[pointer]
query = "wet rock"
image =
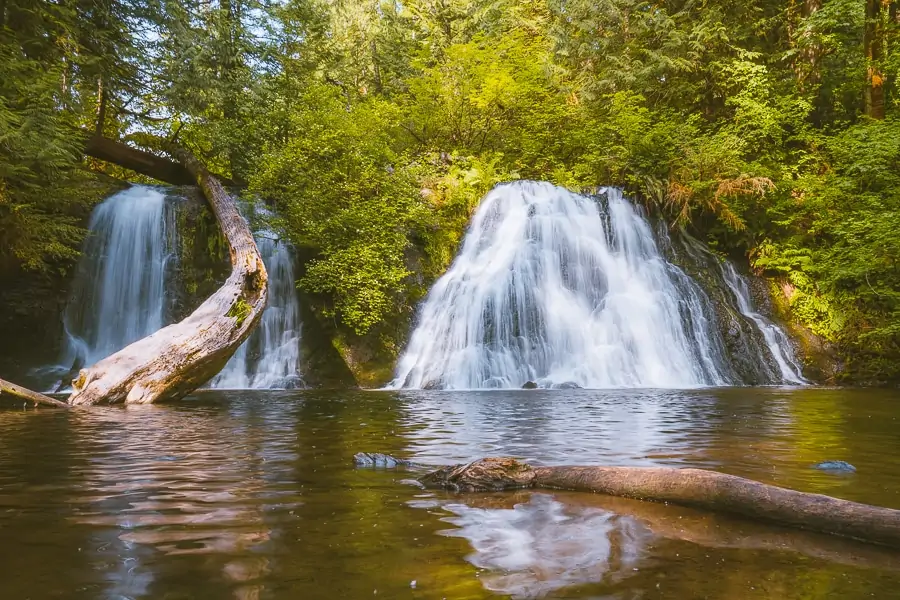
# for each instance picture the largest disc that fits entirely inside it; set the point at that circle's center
(567, 385)
(529, 385)
(379, 461)
(837, 466)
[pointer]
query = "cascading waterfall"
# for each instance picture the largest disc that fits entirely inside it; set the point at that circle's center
(776, 339)
(563, 290)
(126, 286)
(119, 293)
(270, 358)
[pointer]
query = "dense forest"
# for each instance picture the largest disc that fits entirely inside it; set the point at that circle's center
(767, 127)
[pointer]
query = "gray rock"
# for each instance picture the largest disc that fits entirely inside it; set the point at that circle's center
(379, 461)
(838, 466)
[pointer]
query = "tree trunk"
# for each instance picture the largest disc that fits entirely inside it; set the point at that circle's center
(139, 161)
(20, 392)
(177, 359)
(873, 40)
(102, 98)
(808, 63)
(686, 487)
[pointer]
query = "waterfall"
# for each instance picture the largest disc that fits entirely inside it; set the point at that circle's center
(270, 358)
(119, 292)
(563, 290)
(776, 339)
(126, 286)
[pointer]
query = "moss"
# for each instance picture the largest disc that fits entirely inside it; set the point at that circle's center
(240, 310)
(817, 353)
(203, 262)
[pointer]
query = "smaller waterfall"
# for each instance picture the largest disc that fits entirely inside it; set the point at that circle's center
(776, 339)
(270, 358)
(119, 293)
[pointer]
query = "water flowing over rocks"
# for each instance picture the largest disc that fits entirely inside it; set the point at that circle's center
(555, 287)
(271, 357)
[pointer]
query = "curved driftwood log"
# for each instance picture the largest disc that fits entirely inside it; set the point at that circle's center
(177, 359)
(688, 487)
(26, 394)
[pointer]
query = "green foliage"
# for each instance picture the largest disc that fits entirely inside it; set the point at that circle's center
(841, 248)
(239, 311)
(37, 160)
(374, 127)
(741, 121)
(342, 191)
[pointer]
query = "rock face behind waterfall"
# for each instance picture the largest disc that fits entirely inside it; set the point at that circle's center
(759, 349)
(566, 290)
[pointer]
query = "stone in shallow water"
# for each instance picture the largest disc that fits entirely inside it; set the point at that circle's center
(566, 385)
(377, 460)
(835, 465)
(529, 385)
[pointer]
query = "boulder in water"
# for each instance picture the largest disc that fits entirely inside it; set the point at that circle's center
(837, 466)
(529, 385)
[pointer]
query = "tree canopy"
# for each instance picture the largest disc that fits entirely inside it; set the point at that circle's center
(769, 127)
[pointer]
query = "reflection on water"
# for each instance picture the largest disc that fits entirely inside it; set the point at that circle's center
(254, 496)
(541, 545)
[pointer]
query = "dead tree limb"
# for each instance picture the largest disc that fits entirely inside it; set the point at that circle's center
(20, 392)
(178, 359)
(698, 488)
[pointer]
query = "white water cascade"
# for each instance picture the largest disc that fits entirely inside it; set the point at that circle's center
(563, 290)
(270, 358)
(126, 285)
(776, 339)
(119, 293)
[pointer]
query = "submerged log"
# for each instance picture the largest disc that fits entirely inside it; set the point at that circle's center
(26, 394)
(177, 359)
(687, 487)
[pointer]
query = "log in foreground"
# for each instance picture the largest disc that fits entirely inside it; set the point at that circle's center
(26, 394)
(688, 487)
(178, 359)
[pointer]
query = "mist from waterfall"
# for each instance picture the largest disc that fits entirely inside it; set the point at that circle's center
(119, 292)
(270, 358)
(563, 290)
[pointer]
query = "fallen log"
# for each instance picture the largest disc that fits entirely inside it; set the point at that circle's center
(138, 161)
(179, 358)
(15, 390)
(697, 488)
